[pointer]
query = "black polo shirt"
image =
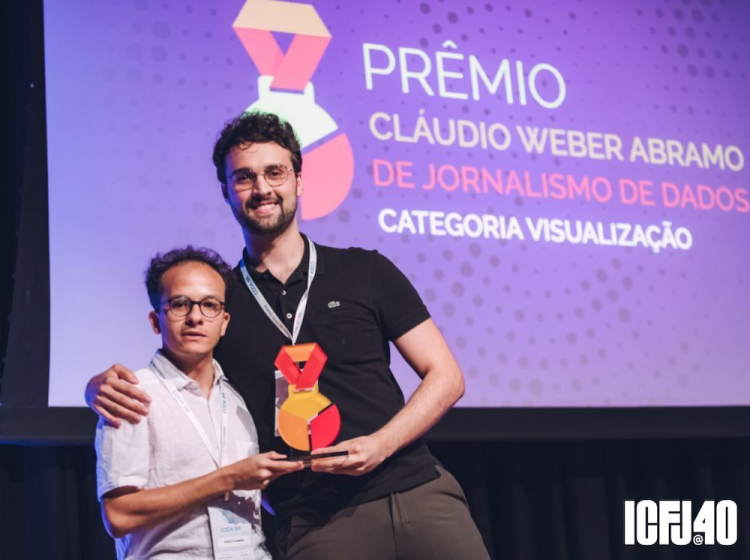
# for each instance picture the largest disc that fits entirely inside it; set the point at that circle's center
(359, 302)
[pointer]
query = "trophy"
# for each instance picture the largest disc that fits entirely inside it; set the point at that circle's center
(307, 419)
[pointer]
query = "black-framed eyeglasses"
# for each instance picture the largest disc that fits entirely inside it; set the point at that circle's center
(182, 306)
(246, 179)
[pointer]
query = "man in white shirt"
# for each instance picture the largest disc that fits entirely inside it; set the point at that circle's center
(185, 481)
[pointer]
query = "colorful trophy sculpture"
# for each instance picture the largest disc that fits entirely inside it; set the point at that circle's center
(307, 419)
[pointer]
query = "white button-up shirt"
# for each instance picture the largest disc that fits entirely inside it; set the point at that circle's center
(165, 449)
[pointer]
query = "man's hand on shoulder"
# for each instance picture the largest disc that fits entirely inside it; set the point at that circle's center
(366, 453)
(112, 396)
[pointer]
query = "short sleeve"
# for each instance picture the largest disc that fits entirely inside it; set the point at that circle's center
(396, 301)
(123, 456)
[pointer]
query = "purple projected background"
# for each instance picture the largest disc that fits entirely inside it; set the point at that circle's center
(137, 92)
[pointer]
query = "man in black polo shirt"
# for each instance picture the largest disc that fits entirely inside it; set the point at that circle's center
(387, 498)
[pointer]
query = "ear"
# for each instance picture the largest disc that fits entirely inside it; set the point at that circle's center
(225, 323)
(153, 318)
(224, 192)
(300, 187)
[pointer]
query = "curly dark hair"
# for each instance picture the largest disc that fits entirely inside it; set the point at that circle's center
(253, 127)
(164, 261)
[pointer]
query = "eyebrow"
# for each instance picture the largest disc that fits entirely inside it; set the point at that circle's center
(241, 170)
(247, 169)
(186, 297)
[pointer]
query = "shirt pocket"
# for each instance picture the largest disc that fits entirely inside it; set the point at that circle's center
(245, 448)
(243, 435)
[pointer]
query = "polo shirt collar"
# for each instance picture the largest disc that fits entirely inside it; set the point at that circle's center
(299, 273)
(179, 379)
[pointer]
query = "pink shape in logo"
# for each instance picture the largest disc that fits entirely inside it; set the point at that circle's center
(328, 175)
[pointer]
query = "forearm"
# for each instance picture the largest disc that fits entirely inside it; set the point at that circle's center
(144, 508)
(442, 385)
(426, 351)
(436, 394)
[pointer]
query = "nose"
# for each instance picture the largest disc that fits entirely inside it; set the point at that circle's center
(262, 186)
(195, 316)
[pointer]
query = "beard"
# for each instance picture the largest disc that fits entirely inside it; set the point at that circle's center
(270, 226)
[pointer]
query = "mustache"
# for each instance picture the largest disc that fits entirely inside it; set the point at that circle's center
(256, 201)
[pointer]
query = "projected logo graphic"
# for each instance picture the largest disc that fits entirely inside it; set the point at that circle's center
(672, 522)
(307, 419)
(285, 88)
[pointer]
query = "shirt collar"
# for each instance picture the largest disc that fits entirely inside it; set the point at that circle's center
(299, 273)
(179, 379)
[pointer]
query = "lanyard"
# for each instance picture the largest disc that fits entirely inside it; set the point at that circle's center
(193, 419)
(264, 305)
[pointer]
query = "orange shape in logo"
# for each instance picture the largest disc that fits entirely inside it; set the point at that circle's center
(307, 419)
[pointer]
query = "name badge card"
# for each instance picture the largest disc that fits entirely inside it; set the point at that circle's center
(233, 536)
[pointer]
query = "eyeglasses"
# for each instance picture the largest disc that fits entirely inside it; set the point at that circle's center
(182, 306)
(275, 176)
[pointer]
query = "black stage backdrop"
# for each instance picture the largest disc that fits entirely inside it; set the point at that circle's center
(532, 500)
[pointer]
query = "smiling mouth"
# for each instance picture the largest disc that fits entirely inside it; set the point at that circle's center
(263, 204)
